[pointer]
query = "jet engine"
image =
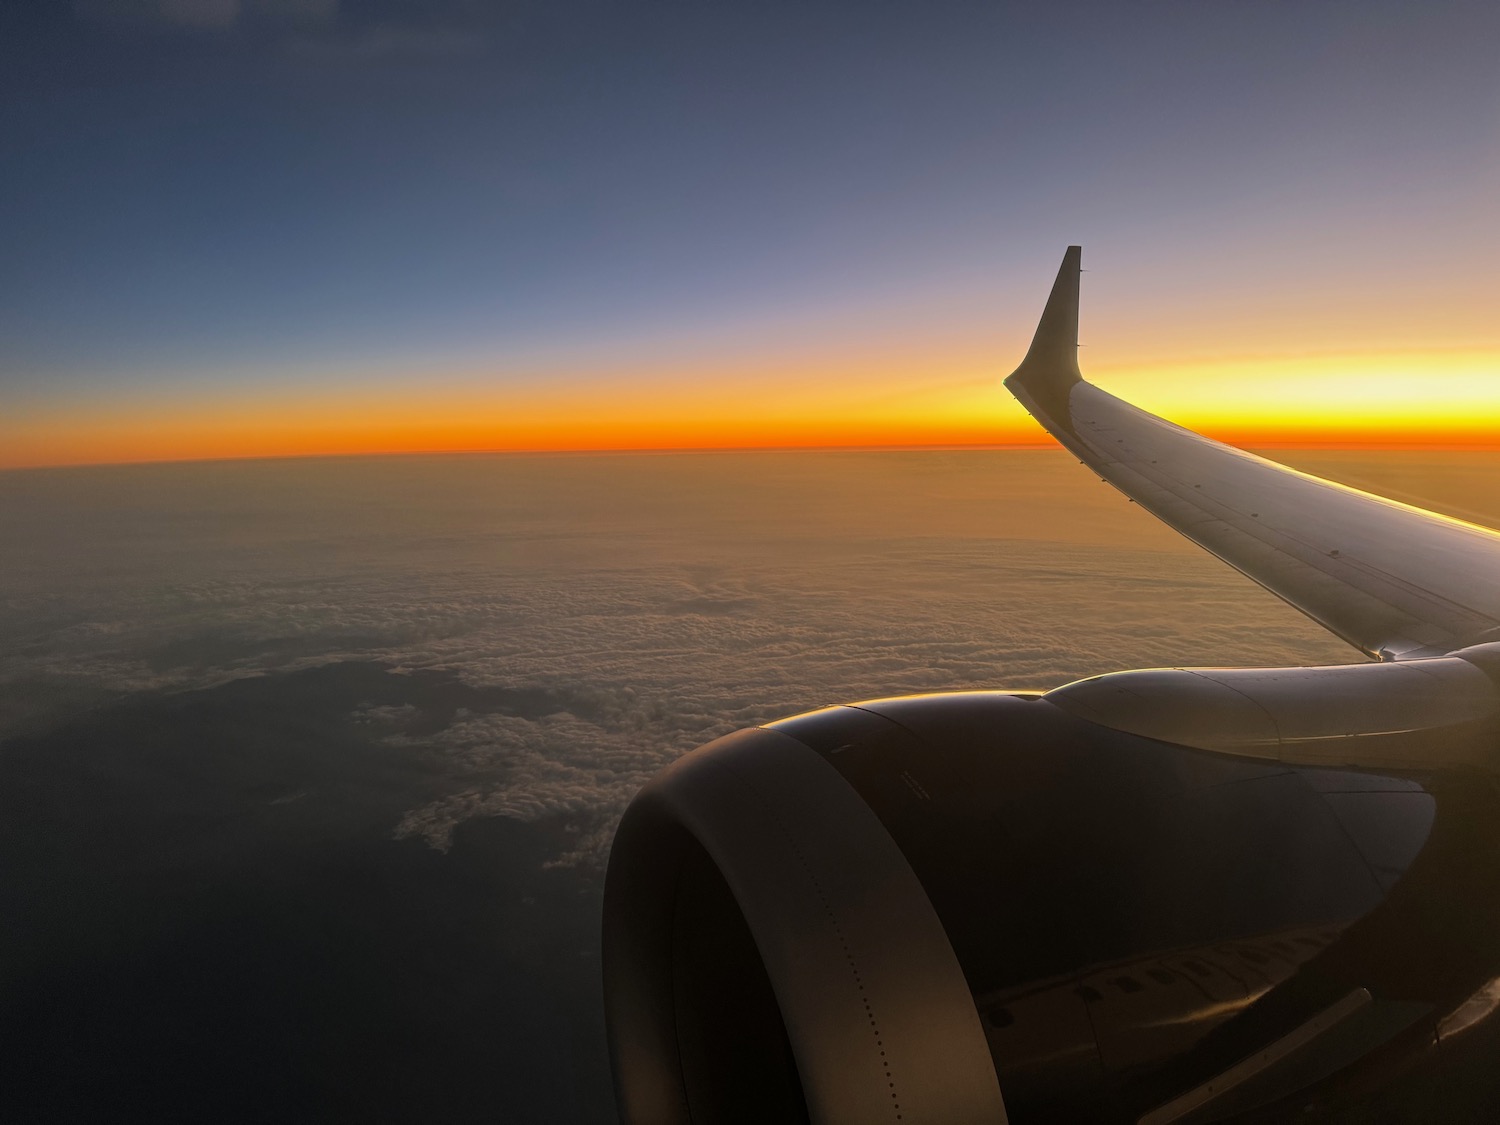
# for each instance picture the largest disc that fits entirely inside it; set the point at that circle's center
(983, 907)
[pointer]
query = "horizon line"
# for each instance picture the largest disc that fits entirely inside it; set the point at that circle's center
(1044, 443)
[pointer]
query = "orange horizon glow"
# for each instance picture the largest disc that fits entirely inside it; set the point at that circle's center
(1444, 399)
(209, 450)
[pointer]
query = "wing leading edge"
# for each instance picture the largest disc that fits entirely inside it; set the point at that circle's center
(1394, 581)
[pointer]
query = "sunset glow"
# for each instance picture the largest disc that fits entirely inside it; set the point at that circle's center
(1439, 398)
(275, 234)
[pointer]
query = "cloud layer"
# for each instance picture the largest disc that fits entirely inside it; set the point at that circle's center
(637, 607)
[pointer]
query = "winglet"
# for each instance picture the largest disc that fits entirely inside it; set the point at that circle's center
(1051, 366)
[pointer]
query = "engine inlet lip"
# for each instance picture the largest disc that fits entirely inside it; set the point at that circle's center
(876, 1008)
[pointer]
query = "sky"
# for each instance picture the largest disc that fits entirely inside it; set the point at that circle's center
(244, 228)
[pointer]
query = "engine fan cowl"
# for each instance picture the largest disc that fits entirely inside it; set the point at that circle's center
(770, 954)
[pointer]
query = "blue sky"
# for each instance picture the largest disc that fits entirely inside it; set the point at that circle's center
(242, 194)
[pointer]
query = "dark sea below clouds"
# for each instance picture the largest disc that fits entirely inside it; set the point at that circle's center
(308, 769)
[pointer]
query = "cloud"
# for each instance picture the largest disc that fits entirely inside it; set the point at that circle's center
(200, 14)
(194, 14)
(312, 29)
(621, 636)
(637, 663)
(530, 769)
(390, 42)
(297, 12)
(385, 714)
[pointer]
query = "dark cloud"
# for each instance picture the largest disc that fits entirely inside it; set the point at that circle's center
(205, 916)
(391, 42)
(313, 30)
(296, 12)
(196, 14)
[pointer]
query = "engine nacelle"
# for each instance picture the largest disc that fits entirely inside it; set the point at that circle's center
(950, 908)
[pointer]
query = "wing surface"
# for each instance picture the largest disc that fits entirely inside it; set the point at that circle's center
(1393, 580)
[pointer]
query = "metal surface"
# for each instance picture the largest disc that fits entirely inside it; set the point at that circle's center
(1223, 1085)
(875, 1008)
(1121, 908)
(1413, 714)
(1392, 580)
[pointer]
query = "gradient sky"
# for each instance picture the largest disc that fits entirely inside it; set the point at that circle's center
(263, 227)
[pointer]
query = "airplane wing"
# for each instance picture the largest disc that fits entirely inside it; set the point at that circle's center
(1394, 581)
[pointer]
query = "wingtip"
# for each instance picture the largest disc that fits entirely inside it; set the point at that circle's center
(1051, 364)
(1055, 344)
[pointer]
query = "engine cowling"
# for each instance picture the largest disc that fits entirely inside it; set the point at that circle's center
(957, 908)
